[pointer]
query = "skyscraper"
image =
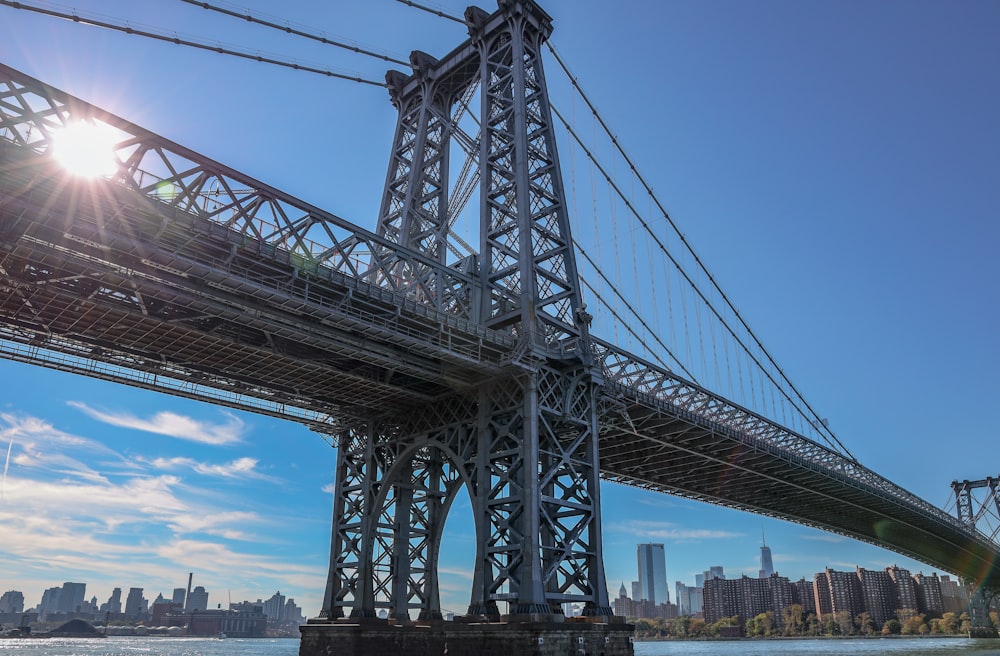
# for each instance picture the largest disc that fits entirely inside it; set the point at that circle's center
(766, 566)
(197, 600)
(115, 602)
(134, 603)
(71, 598)
(652, 573)
(12, 601)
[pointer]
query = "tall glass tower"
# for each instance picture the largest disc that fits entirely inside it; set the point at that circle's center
(766, 566)
(652, 573)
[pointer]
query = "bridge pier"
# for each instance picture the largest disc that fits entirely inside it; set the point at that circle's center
(979, 613)
(373, 637)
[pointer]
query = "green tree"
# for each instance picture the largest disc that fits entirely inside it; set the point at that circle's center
(892, 627)
(677, 627)
(723, 622)
(845, 621)
(760, 626)
(915, 625)
(643, 628)
(698, 629)
(793, 620)
(865, 624)
(949, 623)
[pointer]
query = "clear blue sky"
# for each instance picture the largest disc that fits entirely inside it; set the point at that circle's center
(836, 164)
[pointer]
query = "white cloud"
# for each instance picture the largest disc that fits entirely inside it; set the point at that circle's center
(669, 531)
(171, 424)
(240, 468)
(36, 444)
(825, 537)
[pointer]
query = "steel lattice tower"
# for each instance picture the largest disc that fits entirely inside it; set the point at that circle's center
(524, 447)
(967, 511)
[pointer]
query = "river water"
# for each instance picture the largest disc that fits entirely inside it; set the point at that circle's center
(129, 646)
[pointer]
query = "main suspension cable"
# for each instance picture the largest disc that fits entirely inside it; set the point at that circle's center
(431, 10)
(76, 17)
(701, 265)
(296, 31)
(628, 204)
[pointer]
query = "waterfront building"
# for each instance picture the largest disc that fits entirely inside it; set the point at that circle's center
(652, 563)
(274, 608)
(879, 592)
(837, 592)
(954, 596)
(803, 595)
(747, 597)
(293, 613)
(197, 600)
(906, 588)
(248, 622)
(179, 596)
(929, 599)
(641, 608)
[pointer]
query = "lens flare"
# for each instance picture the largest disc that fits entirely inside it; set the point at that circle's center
(86, 149)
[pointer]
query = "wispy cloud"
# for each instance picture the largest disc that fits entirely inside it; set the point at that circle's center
(824, 537)
(171, 424)
(657, 502)
(44, 448)
(239, 468)
(669, 531)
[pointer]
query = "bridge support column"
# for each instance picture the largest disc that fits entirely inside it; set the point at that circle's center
(979, 613)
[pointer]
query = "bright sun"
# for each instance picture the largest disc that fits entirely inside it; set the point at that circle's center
(85, 149)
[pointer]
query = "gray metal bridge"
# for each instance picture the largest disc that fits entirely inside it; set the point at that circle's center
(182, 275)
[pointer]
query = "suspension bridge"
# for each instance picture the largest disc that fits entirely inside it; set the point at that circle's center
(489, 364)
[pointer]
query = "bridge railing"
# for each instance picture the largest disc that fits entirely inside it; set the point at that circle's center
(32, 115)
(659, 387)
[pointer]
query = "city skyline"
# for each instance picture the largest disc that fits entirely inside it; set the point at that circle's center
(138, 598)
(836, 174)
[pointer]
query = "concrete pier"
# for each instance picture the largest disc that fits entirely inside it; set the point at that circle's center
(372, 637)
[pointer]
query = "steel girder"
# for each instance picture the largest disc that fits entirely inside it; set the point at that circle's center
(167, 286)
(663, 433)
(31, 112)
(533, 437)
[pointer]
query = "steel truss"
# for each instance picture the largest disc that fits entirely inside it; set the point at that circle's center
(526, 448)
(983, 516)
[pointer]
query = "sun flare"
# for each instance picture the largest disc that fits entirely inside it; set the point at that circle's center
(86, 149)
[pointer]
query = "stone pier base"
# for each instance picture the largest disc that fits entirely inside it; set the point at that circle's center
(370, 637)
(982, 632)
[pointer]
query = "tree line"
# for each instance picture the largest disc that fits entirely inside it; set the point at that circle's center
(797, 623)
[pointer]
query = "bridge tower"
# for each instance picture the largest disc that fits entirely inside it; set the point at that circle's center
(971, 511)
(523, 444)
